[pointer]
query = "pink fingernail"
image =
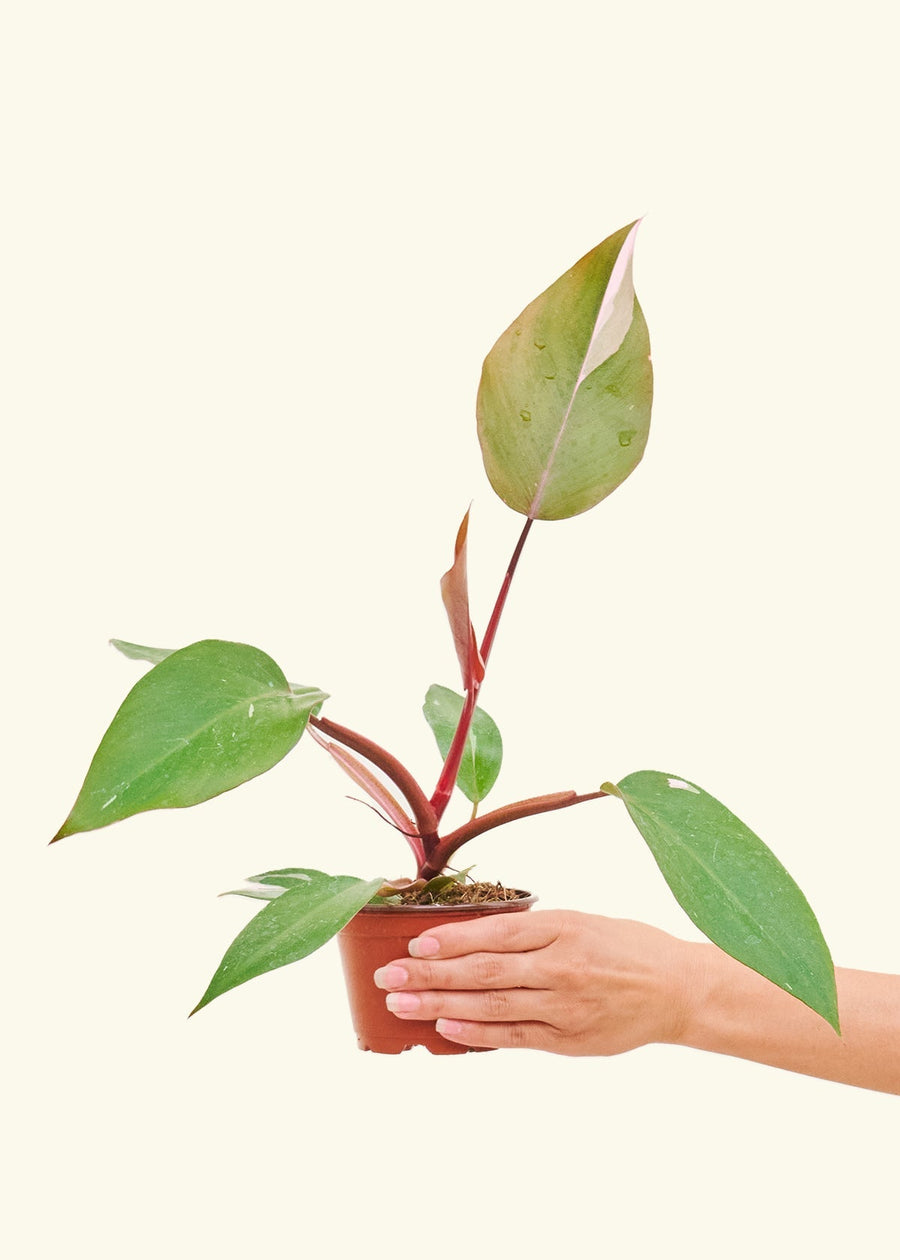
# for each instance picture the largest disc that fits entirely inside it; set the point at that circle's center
(402, 1003)
(424, 947)
(391, 977)
(448, 1027)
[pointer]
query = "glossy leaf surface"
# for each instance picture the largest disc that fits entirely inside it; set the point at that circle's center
(483, 752)
(564, 401)
(298, 922)
(204, 720)
(732, 886)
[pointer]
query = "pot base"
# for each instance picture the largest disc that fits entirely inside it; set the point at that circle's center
(379, 935)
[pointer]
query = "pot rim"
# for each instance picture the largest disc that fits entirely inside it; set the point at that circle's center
(522, 902)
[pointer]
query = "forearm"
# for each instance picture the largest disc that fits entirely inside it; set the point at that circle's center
(735, 1012)
(583, 984)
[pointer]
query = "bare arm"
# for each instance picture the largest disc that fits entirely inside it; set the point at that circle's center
(739, 1013)
(581, 984)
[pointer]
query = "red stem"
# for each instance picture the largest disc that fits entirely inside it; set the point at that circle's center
(426, 819)
(447, 780)
(489, 634)
(446, 847)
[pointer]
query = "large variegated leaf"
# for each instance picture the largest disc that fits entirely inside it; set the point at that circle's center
(565, 394)
(293, 925)
(205, 719)
(483, 752)
(732, 885)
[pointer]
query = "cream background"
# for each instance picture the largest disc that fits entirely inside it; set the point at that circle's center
(254, 255)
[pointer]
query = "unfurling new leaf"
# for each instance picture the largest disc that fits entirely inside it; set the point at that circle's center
(455, 594)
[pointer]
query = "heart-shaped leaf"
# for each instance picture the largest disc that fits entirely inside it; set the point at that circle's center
(732, 886)
(483, 752)
(204, 720)
(301, 919)
(565, 394)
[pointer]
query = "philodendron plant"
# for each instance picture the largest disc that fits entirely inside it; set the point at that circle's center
(563, 417)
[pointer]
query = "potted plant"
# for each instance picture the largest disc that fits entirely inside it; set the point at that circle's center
(563, 417)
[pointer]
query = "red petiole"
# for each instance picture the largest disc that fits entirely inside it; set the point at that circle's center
(432, 851)
(447, 781)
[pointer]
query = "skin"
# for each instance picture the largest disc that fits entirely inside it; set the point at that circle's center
(580, 984)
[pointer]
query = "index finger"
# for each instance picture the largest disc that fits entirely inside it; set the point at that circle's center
(511, 933)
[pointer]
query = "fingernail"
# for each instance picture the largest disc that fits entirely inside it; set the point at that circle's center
(402, 1003)
(424, 947)
(391, 977)
(447, 1027)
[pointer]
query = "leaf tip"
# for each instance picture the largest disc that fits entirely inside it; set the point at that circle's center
(62, 833)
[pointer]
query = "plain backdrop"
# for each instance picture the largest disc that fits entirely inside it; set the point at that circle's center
(253, 257)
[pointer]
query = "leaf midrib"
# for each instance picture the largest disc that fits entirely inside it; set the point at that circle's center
(733, 898)
(336, 899)
(185, 741)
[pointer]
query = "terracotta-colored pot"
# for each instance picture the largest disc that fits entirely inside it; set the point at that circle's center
(378, 935)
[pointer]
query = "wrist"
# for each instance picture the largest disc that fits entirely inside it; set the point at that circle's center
(698, 980)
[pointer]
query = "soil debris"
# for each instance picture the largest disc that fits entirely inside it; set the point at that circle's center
(456, 894)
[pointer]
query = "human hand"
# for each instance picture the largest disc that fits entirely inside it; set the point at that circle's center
(561, 981)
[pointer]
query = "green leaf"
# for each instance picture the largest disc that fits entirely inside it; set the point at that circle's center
(564, 401)
(483, 752)
(732, 886)
(138, 652)
(294, 925)
(271, 884)
(204, 720)
(440, 883)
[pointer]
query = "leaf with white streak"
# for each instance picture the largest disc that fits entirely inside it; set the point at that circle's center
(139, 652)
(271, 884)
(292, 926)
(565, 394)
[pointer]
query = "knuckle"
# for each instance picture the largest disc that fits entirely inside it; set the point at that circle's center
(421, 976)
(519, 1036)
(486, 970)
(496, 1002)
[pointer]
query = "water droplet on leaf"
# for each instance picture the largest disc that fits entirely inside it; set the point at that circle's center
(525, 415)
(625, 436)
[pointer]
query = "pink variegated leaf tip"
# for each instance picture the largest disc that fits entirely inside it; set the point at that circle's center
(455, 593)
